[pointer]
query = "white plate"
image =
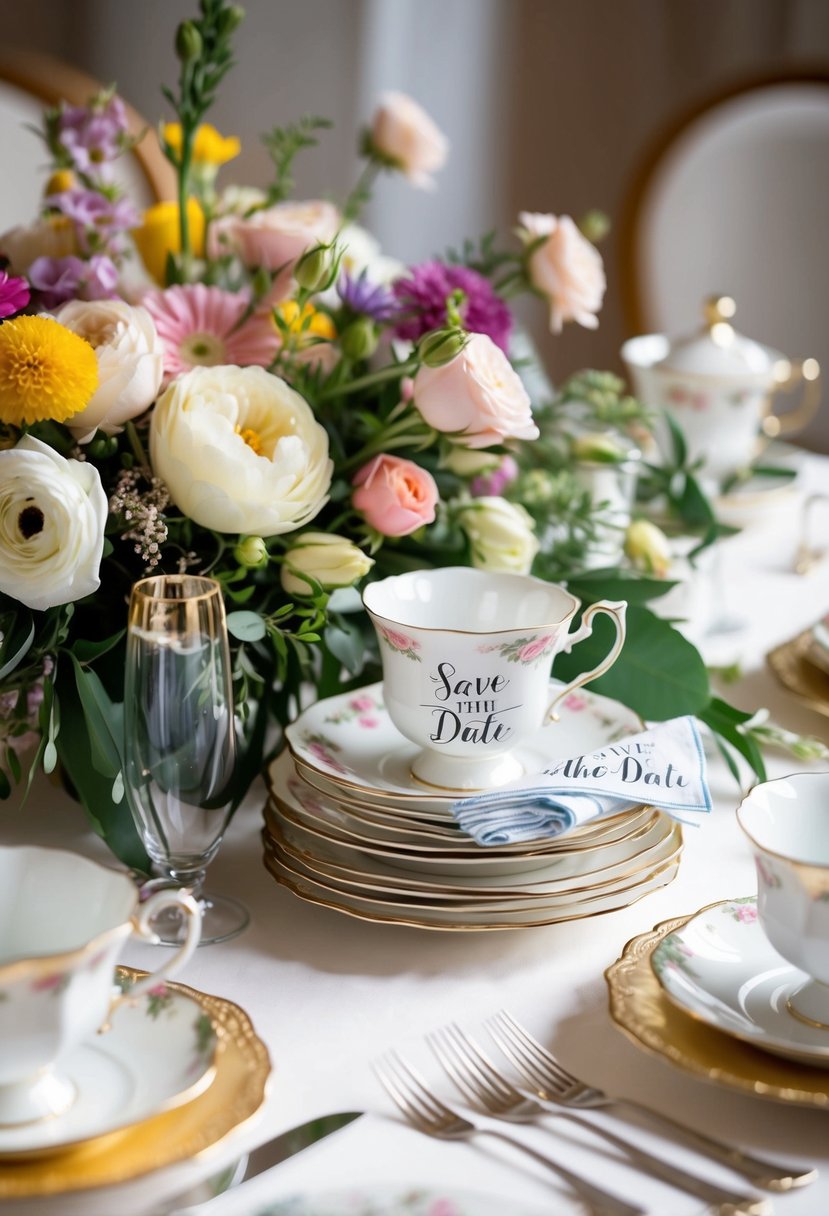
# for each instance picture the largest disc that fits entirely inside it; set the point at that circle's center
(397, 1201)
(721, 968)
(350, 741)
(751, 499)
(159, 1052)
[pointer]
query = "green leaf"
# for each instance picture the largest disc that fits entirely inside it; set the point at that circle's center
(86, 651)
(724, 720)
(678, 444)
(246, 626)
(345, 641)
(16, 642)
(104, 721)
(659, 674)
(613, 584)
(693, 506)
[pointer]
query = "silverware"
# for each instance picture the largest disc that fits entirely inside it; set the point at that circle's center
(425, 1112)
(484, 1086)
(550, 1080)
(196, 1199)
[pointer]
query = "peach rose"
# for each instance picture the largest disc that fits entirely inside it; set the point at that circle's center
(275, 237)
(565, 268)
(395, 496)
(477, 396)
(403, 133)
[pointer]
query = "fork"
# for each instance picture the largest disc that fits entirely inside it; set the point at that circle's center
(549, 1080)
(427, 1113)
(484, 1087)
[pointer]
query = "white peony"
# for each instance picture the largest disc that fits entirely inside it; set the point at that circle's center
(130, 362)
(52, 517)
(500, 534)
(240, 451)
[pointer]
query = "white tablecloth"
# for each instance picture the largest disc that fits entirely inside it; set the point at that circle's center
(328, 993)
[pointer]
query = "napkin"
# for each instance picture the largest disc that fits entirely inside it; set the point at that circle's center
(663, 766)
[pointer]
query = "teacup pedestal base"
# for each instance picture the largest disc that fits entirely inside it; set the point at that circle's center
(810, 1004)
(43, 1097)
(457, 774)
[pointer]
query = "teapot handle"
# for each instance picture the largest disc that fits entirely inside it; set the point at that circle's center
(807, 373)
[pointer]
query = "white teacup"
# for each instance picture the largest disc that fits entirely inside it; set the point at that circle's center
(63, 920)
(787, 822)
(466, 665)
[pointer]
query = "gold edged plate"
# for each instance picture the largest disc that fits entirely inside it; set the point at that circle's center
(794, 669)
(643, 1011)
(235, 1095)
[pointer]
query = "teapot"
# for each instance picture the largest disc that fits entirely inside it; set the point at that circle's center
(719, 386)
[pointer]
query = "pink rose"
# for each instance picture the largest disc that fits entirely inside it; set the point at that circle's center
(395, 496)
(400, 641)
(402, 132)
(477, 396)
(275, 237)
(532, 650)
(565, 268)
(361, 703)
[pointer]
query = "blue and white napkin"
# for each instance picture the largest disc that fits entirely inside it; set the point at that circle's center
(662, 767)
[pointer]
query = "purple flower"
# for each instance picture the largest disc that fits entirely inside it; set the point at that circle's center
(98, 220)
(494, 483)
(365, 298)
(14, 294)
(422, 297)
(61, 279)
(93, 135)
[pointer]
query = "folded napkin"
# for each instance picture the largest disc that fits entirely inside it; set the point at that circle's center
(663, 766)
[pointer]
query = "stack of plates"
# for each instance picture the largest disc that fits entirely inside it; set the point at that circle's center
(802, 665)
(347, 826)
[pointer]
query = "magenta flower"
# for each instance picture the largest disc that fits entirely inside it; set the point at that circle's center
(493, 483)
(422, 299)
(14, 294)
(60, 279)
(93, 135)
(203, 326)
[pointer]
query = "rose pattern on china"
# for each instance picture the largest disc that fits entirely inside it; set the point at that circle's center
(401, 643)
(525, 650)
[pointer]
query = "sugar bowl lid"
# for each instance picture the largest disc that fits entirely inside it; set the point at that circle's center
(717, 349)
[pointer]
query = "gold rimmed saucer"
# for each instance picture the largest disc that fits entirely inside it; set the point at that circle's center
(236, 1094)
(793, 667)
(641, 1009)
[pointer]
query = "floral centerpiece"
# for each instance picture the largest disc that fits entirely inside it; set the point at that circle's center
(239, 384)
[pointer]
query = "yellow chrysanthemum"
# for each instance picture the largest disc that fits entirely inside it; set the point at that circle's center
(159, 235)
(311, 323)
(209, 147)
(46, 371)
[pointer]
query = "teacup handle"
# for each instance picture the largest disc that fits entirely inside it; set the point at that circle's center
(150, 908)
(613, 608)
(807, 373)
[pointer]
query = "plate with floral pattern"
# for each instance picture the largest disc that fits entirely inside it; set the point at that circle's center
(721, 968)
(158, 1053)
(350, 741)
(399, 1201)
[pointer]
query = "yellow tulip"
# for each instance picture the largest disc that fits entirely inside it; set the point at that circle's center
(159, 235)
(209, 147)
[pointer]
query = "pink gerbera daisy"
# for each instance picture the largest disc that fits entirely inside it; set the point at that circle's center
(202, 326)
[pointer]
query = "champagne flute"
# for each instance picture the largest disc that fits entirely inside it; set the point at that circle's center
(180, 739)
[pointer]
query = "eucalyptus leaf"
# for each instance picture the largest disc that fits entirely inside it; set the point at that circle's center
(85, 650)
(104, 721)
(246, 626)
(345, 641)
(345, 599)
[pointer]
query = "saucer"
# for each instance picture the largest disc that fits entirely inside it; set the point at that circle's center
(157, 1054)
(351, 740)
(413, 1200)
(792, 663)
(721, 968)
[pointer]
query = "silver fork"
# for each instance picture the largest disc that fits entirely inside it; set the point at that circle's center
(427, 1113)
(484, 1087)
(548, 1079)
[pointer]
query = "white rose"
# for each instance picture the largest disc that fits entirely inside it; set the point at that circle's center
(403, 132)
(240, 451)
(500, 534)
(334, 561)
(130, 362)
(52, 517)
(565, 268)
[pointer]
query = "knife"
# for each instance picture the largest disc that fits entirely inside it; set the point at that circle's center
(196, 1199)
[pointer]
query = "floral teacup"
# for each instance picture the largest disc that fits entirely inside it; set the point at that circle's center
(63, 919)
(466, 665)
(787, 822)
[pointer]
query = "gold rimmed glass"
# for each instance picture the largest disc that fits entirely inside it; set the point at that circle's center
(180, 739)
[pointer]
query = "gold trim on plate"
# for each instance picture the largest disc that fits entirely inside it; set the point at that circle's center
(791, 664)
(643, 1011)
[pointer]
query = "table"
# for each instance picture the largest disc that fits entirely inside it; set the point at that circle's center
(328, 993)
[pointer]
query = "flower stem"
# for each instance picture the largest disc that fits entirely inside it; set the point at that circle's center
(388, 373)
(361, 194)
(137, 446)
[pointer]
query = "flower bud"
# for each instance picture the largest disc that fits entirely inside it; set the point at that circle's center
(102, 446)
(188, 41)
(598, 449)
(441, 346)
(229, 19)
(647, 547)
(313, 271)
(60, 181)
(333, 561)
(251, 552)
(501, 535)
(594, 225)
(359, 339)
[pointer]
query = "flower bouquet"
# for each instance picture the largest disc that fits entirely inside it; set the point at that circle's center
(240, 385)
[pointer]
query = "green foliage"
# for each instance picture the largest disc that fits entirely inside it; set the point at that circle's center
(283, 144)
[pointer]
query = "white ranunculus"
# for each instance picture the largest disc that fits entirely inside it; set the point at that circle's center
(500, 534)
(240, 451)
(52, 517)
(130, 362)
(334, 561)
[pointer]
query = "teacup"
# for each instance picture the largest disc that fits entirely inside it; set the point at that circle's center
(63, 920)
(787, 822)
(466, 665)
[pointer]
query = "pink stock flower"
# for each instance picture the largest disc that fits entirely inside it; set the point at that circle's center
(203, 326)
(14, 294)
(395, 496)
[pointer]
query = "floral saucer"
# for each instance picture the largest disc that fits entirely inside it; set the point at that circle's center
(351, 740)
(159, 1053)
(721, 968)
(384, 1200)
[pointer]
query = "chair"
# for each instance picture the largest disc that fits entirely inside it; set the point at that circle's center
(30, 82)
(732, 200)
